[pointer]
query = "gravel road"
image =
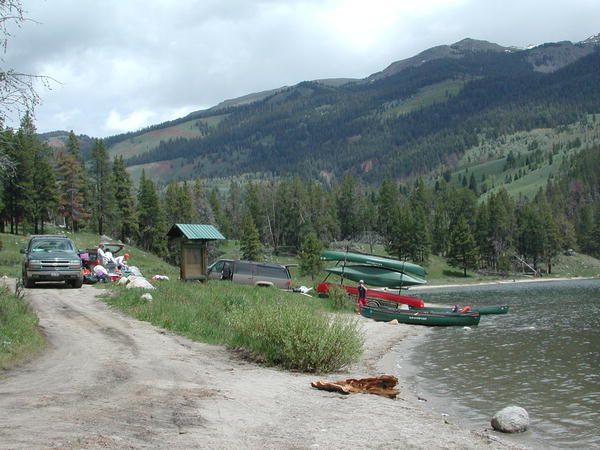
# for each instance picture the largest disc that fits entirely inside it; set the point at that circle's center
(108, 381)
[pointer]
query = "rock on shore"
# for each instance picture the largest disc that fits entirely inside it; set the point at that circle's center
(512, 419)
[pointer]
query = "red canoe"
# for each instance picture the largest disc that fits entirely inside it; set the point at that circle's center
(376, 295)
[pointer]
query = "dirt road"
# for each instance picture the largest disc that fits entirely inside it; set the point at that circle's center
(109, 381)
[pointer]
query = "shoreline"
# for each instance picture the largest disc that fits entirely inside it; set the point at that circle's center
(499, 282)
(388, 350)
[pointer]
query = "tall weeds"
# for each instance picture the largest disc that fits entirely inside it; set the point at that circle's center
(274, 327)
(19, 332)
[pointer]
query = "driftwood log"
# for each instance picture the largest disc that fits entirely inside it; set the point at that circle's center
(384, 385)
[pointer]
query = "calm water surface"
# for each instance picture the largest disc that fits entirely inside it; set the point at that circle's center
(544, 355)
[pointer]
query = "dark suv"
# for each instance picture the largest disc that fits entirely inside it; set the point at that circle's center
(51, 258)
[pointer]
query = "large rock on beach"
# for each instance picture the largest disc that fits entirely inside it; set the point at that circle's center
(512, 419)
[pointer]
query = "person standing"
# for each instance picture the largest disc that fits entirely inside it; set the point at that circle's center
(100, 254)
(362, 295)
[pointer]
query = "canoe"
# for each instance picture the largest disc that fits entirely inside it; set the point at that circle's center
(416, 317)
(375, 261)
(376, 276)
(483, 310)
(374, 296)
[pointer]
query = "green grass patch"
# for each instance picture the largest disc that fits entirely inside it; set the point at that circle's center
(19, 333)
(274, 327)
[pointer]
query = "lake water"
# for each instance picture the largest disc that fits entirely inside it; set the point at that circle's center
(544, 355)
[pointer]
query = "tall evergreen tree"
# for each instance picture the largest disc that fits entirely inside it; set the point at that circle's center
(45, 196)
(125, 222)
(419, 229)
(151, 221)
(103, 197)
(387, 203)
(310, 255)
(202, 210)
(347, 206)
(463, 249)
(250, 245)
(71, 184)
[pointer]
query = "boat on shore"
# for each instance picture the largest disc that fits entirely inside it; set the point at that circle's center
(375, 296)
(374, 261)
(417, 317)
(376, 276)
(483, 310)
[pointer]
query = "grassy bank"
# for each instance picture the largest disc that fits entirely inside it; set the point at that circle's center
(273, 327)
(19, 332)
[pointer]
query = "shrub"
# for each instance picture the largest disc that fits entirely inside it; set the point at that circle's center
(339, 298)
(19, 333)
(274, 327)
(295, 336)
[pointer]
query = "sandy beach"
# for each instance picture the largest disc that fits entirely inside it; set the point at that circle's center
(107, 380)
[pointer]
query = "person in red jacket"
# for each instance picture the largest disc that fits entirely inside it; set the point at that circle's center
(362, 295)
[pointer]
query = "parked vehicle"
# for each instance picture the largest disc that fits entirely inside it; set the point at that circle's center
(251, 272)
(51, 258)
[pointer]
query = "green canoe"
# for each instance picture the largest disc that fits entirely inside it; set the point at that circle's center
(483, 310)
(375, 261)
(382, 314)
(376, 276)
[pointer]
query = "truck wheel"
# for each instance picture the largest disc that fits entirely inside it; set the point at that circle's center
(77, 284)
(27, 282)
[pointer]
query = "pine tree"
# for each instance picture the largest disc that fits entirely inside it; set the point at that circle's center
(310, 255)
(151, 222)
(250, 245)
(463, 250)
(203, 212)
(530, 234)
(19, 186)
(45, 196)
(387, 202)
(102, 190)
(347, 207)
(184, 202)
(125, 222)
(71, 186)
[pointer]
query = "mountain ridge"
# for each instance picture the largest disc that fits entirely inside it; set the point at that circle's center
(342, 125)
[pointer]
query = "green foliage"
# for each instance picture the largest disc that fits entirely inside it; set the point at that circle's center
(462, 253)
(151, 220)
(103, 196)
(19, 332)
(270, 326)
(310, 252)
(250, 245)
(124, 224)
(295, 336)
(340, 300)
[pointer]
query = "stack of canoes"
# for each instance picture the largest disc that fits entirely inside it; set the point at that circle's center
(391, 273)
(374, 270)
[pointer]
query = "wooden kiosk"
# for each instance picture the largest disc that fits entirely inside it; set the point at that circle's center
(193, 240)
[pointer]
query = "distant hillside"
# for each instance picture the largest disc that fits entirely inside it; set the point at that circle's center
(418, 116)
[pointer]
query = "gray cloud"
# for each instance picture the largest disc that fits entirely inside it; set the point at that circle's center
(126, 65)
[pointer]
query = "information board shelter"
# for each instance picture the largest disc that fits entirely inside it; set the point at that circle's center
(194, 240)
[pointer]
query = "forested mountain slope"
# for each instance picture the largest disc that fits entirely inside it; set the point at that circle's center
(415, 116)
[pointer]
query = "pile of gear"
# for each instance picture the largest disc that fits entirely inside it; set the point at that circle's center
(101, 264)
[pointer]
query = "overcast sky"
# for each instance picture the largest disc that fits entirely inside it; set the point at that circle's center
(121, 65)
